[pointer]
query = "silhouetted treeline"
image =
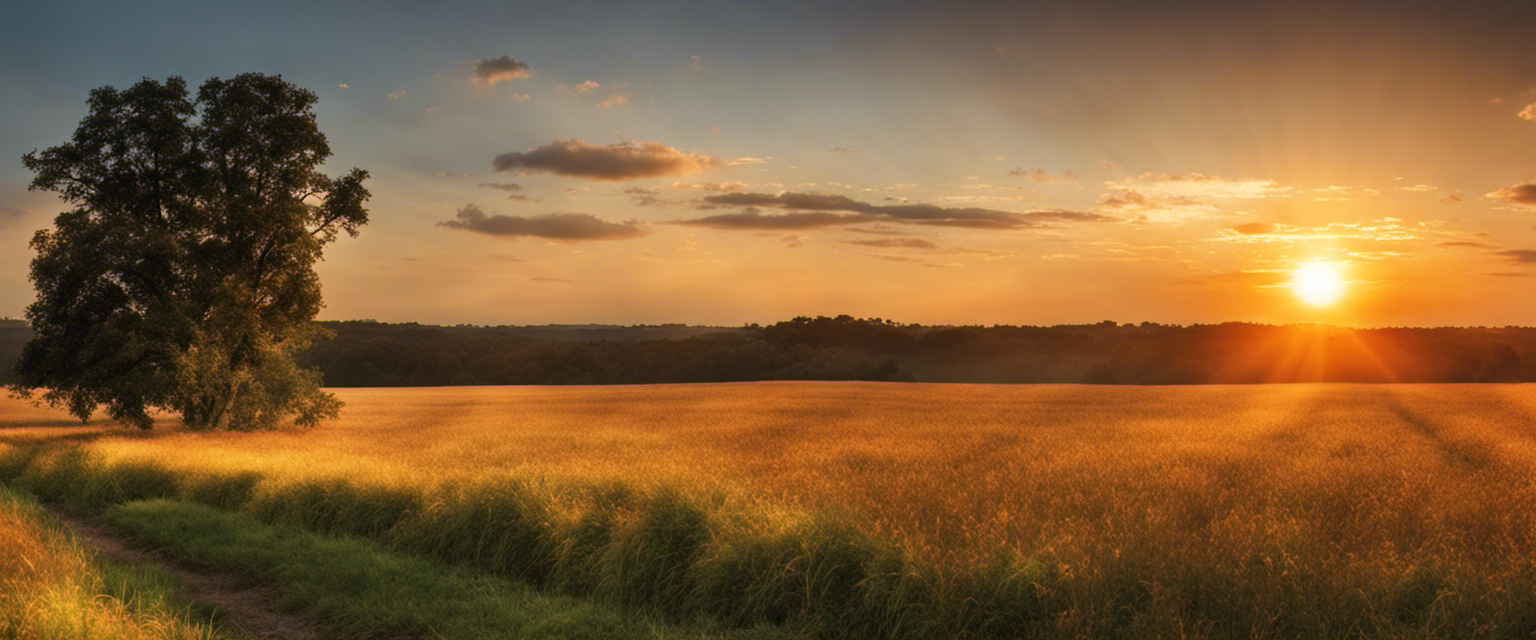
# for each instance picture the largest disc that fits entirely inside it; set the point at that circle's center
(365, 353)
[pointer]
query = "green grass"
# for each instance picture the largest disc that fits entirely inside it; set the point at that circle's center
(355, 587)
(52, 589)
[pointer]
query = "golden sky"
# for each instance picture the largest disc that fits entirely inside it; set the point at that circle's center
(1019, 163)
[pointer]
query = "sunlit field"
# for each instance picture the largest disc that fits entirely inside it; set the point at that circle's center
(1211, 511)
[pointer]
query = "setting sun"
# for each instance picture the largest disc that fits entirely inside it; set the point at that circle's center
(1318, 283)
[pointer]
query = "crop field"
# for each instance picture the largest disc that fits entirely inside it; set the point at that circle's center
(905, 510)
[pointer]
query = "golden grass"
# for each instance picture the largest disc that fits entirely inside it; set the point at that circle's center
(50, 589)
(954, 467)
(1414, 495)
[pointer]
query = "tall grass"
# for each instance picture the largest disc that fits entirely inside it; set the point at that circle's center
(51, 589)
(930, 511)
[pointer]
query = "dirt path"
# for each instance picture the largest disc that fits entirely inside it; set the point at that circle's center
(247, 606)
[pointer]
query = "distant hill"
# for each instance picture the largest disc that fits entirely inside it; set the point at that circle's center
(367, 353)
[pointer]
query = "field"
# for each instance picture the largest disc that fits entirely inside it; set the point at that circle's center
(908, 510)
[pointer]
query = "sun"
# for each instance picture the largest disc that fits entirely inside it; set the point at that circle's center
(1319, 283)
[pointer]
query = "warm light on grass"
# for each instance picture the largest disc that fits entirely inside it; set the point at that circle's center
(1319, 283)
(931, 510)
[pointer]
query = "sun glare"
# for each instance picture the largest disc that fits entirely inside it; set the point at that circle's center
(1318, 283)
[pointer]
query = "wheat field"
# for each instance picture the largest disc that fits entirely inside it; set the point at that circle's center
(1210, 511)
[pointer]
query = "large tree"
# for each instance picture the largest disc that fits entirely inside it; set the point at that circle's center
(183, 277)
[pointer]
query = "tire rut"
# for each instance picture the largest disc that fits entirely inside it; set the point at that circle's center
(247, 605)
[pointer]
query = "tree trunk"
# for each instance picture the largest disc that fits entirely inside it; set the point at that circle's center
(219, 421)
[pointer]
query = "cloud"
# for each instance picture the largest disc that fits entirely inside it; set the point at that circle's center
(1254, 227)
(1043, 176)
(852, 211)
(1451, 198)
(585, 87)
(503, 186)
(895, 243)
(490, 71)
(1338, 193)
(614, 162)
(1519, 194)
(1518, 256)
(753, 219)
(1199, 185)
(1157, 208)
(1383, 230)
(569, 227)
(842, 149)
(1528, 113)
(1465, 243)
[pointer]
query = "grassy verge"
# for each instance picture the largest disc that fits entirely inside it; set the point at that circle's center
(706, 561)
(51, 589)
(357, 588)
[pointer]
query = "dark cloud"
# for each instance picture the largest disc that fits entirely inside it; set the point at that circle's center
(1518, 256)
(570, 227)
(895, 243)
(752, 218)
(1464, 243)
(509, 187)
(842, 149)
(1253, 228)
(855, 211)
(614, 162)
(1518, 194)
(1451, 198)
(490, 71)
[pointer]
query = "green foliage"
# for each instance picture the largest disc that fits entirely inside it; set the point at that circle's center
(183, 278)
(357, 588)
(56, 590)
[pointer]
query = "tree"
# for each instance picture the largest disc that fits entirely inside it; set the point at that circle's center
(183, 277)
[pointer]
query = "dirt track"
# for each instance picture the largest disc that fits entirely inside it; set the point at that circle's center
(247, 605)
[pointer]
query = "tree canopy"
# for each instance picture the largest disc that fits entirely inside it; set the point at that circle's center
(183, 277)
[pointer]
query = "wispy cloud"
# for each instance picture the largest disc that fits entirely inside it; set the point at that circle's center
(894, 243)
(815, 209)
(613, 162)
(1529, 112)
(1199, 185)
(1141, 207)
(490, 71)
(1383, 230)
(569, 227)
(1043, 176)
(1341, 193)
(1518, 256)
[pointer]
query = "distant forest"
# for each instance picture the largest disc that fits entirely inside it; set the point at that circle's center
(368, 354)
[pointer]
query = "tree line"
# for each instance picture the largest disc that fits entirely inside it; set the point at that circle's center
(368, 354)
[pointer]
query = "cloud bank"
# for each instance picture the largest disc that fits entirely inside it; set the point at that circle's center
(613, 162)
(569, 227)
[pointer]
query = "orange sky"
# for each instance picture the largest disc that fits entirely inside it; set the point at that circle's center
(1021, 163)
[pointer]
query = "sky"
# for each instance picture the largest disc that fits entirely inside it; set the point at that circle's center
(967, 163)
